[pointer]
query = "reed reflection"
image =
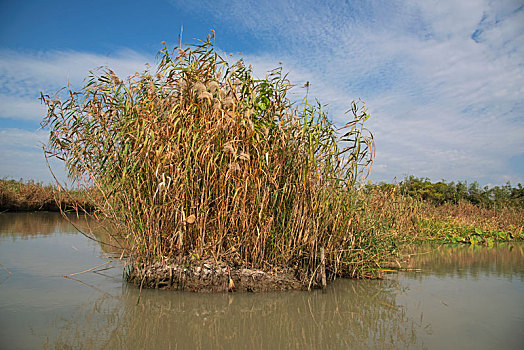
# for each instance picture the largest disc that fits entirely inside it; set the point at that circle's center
(501, 260)
(351, 314)
(27, 225)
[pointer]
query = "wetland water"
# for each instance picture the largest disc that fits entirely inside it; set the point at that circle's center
(463, 297)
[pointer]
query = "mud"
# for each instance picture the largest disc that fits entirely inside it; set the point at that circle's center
(211, 277)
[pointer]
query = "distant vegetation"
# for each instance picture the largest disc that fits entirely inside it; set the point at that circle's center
(461, 213)
(455, 192)
(20, 195)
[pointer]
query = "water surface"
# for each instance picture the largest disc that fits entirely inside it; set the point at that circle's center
(462, 297)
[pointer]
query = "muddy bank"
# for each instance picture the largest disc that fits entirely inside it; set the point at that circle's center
(212, 277)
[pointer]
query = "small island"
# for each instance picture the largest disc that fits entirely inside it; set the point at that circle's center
(212, 180)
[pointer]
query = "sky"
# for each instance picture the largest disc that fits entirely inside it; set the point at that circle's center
(443, 80)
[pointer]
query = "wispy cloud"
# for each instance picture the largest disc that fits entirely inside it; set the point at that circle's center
(22, 108)
(443, 80)
(22, 155)
(23, 75)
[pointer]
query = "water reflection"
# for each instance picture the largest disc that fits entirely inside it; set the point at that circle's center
(502, 260)
(470, 296)
(33, 225)
(28, 225)
(463, 297)
(352, 314)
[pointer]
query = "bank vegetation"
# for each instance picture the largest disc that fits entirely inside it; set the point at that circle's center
(28, 195)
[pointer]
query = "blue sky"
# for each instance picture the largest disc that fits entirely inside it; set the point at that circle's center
(443, 80)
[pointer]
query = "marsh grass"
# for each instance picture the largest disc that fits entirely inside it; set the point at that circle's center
(468, 223)
(20, 195)
(201, 160)
(448, 213)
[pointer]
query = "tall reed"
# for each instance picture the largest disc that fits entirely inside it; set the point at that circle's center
(201, 160)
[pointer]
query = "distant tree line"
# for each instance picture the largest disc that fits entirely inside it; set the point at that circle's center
(454, 192)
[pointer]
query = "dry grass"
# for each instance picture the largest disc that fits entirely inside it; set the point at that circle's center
(34, 196)
(469, 214)
(463, 220)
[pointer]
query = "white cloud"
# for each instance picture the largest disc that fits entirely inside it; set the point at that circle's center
(23, 157)
(57, 68)
(22, 76)
(444, 80)
(22, 108)
(11, 139)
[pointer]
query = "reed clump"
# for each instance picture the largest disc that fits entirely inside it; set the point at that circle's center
(201, 161)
